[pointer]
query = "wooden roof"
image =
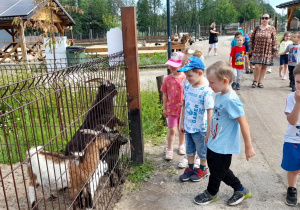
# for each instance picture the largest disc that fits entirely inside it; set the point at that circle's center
(289, 4)
(9, 9)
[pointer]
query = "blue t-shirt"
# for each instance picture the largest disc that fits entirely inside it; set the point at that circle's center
(197, 101)
(225, 129)
(233, 42)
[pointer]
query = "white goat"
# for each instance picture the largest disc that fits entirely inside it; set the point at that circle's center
(55, 172)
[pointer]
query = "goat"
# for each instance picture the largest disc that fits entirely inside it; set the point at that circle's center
(100, 115)
(54, 171)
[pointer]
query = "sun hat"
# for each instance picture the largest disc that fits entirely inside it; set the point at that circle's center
(175, 59)
(192, 63)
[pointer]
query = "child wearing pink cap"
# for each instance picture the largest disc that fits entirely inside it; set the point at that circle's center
(172, 100)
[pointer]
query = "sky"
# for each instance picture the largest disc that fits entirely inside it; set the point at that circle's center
(274, 3)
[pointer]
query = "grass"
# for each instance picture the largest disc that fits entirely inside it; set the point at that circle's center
(157, 58)
(139, 174)
(152, 118)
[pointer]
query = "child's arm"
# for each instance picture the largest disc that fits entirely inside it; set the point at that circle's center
(209, 114)
(293, 117)
(165, 96)
(181, 123)
(246, 135)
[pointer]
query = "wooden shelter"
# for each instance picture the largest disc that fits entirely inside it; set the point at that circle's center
(291, 8)
(28, 11)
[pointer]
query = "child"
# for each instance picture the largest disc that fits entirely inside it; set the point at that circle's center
(227, 121)
(291, 147)
(285, 41)
(196, 114)
(172, 98)
(250, 67)
(293, 57)
(237, 59)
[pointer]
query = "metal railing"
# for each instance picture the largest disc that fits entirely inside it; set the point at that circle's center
(64, 134)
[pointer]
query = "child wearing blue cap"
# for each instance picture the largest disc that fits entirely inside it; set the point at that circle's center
(197, 110)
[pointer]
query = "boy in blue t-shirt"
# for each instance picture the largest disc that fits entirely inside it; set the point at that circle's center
(196, 112)
(227, 121)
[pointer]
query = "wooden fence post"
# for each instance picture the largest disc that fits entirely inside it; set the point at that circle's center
(130, 47)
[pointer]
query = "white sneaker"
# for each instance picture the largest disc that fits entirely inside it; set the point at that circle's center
(269, 70)
(215, 54)
(207, 54)
(197, 162)
(183, 163)
(169, 155)
(181, 150)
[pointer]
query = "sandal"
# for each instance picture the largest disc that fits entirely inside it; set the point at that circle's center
(254, 84)
(260, 85)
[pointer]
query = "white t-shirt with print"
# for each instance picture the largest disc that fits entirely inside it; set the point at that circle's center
(197, 100)
(292, 135)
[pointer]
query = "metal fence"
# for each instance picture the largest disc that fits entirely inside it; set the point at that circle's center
(64, 134)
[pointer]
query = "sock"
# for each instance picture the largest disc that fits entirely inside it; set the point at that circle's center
(242, 188)
(181, 145)
(191, 166)
(170, 149)
(203, 167)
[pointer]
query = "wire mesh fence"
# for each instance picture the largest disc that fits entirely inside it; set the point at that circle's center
(64, 134)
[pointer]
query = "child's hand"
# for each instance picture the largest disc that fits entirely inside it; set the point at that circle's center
(206, 138)
(181, 128)
(249, 153)
(297, 96)
(165, 113)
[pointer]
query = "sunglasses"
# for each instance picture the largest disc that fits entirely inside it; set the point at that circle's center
(264, 18)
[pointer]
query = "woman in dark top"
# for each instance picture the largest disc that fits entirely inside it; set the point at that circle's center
(213, 38)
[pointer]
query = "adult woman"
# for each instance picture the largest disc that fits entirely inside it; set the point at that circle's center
(213, 38)
(263, 47)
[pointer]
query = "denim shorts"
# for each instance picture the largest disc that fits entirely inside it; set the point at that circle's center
(284, 59)
(291, 157)
(195, 142)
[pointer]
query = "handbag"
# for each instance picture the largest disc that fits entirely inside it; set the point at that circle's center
(216, 38)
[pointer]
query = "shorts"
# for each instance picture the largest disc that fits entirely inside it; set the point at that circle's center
(291, 157)
(214, 45)
(195, 142)
(173, 121)
(247, 47)
(284, 59)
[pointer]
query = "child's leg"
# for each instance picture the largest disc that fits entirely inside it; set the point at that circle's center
(285, 69)
(291, 76)
(292, 177)
(234, 77)
(239, 74)
(280, 71)
(171, 137)
(219, 167)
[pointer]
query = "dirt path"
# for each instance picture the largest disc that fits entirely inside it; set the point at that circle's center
(262, 175)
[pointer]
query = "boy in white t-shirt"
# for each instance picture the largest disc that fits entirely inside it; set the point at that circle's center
(196, 112)
(291, 147)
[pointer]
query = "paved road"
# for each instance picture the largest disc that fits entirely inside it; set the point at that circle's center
(262, 174)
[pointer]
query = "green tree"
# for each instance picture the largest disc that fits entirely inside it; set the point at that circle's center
(143, 15)
(225, 12)
(249, 10)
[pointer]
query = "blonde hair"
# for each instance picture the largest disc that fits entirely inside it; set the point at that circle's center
(211, 25)
(221, 69)
(198, 53)
(296, 69)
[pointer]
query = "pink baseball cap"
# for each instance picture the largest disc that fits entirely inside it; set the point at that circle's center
(175, 59)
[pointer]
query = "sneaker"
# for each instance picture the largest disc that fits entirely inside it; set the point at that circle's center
(291, 197)
(183, 163)
(284, 77)
(233, 85)
(237, 87)
(251, 71)
(215, 54)
(247, 71)
(186, 175)
(169, 155)
(198, 175)
(207, 54)
(197, 162)
(181, 150)
(205, 198)
(269, 70)
(239, 196)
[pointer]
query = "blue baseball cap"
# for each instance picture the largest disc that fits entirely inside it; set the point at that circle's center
(192, 63)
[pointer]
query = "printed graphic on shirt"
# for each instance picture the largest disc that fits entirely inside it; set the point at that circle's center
(215, 129)
(298, 133)
(239, 59)
(292, 54)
